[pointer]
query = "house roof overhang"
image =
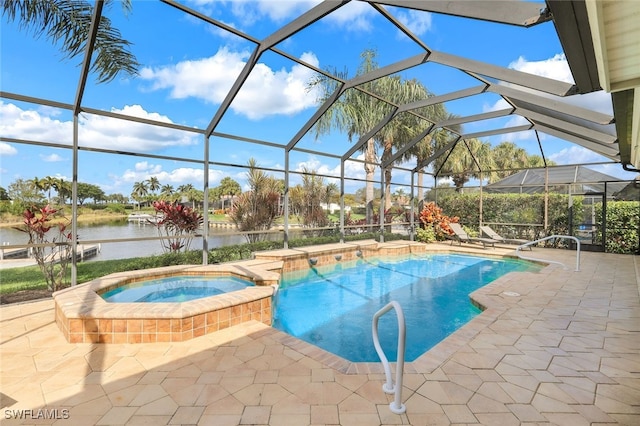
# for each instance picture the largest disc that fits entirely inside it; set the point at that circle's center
(600, 39)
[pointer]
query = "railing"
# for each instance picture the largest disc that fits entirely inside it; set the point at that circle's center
(396, 406)
(551, 237)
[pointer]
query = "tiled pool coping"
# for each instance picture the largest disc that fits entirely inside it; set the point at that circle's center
(84, 316)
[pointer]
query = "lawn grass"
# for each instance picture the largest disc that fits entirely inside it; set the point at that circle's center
(24, 278)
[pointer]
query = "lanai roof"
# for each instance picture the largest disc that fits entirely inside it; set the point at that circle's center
(598, 39)
(582, 179)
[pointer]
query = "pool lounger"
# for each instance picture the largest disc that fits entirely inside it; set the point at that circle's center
(489, 232)
(461, 236)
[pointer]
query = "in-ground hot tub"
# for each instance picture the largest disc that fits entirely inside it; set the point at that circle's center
(175, 288)
(84, 316)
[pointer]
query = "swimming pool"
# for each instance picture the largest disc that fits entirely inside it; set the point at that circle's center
(332, 307)
(174, 289)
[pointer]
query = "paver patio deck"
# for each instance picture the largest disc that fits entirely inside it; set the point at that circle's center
(565, 350)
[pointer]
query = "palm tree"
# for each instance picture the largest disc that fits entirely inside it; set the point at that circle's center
(229, 188)
(191, 193)
(460, 164)
(426, 147)
(355, 113)
(400, 196)
(67, 23)
(507, 156)
(153, 184)
(49, 183)
(38, 184)
(330, 192)
(166, 193)
(63, 188)
(403, 128)
(139, 192)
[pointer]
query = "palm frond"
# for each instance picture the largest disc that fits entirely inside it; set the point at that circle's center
(66, 23)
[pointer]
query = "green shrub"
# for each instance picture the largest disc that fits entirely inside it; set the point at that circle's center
(526, 210)
(426, 235)
(623, 218)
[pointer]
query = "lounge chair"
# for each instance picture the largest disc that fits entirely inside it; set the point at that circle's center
(461, 236)
(486, 230)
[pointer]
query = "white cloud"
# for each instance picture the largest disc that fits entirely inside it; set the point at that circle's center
(144, 170)
(580, 155)
(279, 11)
(6, 149)
(557, 68)
(51, 158)
(266, 91)
(417, 22)
(94, 131)
(576, 155)
(353, 16)
(105, 132)
(33, 125)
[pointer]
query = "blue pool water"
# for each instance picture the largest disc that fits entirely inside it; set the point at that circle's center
(332, 307)
(175, 289)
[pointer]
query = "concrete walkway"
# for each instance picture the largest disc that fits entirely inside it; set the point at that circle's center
(558, 347)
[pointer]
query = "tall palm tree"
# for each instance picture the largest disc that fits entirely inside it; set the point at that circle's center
(66, 23)
(153, 184)
(426, 147)
(38, 184)
(191, 193)
(507, 156)
(405, 127)
(166, 193)
(330, 192)
(139, 192)
(229, 188)
(460, 164)
(63, 188)
(49, 184)
(400, 130)
(354, 113)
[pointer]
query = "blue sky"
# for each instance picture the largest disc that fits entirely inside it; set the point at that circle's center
(187, 67)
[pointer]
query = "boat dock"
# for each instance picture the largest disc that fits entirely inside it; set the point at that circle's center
(143, 218)
(18, 257)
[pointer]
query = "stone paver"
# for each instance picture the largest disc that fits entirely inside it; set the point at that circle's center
(564, 350)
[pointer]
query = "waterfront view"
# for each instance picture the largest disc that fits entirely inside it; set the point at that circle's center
(122, 229)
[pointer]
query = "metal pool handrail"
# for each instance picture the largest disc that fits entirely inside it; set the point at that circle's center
(396, 406)
(551, 261)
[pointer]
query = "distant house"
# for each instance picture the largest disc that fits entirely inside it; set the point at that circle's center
(333, 207)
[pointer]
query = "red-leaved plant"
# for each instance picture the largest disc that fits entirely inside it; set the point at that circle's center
(52, 251)
(431, 216)
(178, 223)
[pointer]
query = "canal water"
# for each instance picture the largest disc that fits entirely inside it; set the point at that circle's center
(123, 229)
